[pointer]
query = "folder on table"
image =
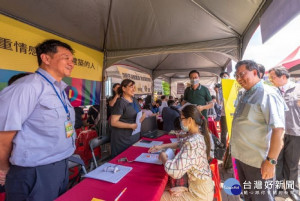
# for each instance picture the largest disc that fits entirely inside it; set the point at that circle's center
(109, 172)
(153, 158)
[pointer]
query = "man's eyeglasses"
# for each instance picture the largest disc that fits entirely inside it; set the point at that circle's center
(239, 75)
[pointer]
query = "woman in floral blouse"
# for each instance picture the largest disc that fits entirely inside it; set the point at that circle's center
(192, 159)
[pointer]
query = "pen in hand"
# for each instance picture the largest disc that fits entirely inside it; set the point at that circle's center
(117, 198)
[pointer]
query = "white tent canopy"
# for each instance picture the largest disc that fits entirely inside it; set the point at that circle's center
(164, 38)
(156, 36)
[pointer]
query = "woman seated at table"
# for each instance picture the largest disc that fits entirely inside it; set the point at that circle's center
(191, 159)
(123, 119)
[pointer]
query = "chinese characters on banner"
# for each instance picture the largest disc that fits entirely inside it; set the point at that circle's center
(143, 81)
(18, 54)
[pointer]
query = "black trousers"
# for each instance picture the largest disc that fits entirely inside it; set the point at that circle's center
(249, 178)
(41, 183)
(288, 160)
(223, 129)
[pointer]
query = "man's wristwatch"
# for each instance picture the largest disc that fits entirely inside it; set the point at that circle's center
(272, 161)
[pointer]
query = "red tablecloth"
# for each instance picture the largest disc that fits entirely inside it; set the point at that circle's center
(144, 182)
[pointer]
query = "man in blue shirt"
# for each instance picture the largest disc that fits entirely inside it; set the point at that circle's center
(257, 131)
(36, 128)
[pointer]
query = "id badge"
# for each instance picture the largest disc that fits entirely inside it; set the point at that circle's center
(69, 129)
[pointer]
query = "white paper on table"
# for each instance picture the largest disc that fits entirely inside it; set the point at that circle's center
(148, 158)
(153, 158)
(100, 173)
(170, 153)
(148, 145)
(137, 121)
(173, 140)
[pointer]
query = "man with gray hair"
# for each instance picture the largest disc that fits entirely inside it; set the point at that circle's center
(288, 160)
(257, 130)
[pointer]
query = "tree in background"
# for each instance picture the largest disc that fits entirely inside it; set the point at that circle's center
(166, 88)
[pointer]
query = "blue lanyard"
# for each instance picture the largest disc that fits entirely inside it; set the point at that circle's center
(65, 105)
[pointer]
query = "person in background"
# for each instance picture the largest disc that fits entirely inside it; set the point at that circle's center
(163, 104)
(181, 98)
(123, 119)
(148, 99)
(257, 131)
(93, 114)
(169, 114)
(215, 112)
(141, 102)
(288, 160)
(171, 98)
(220, 102)
(197, 94)
(79, 115)
(36, 109)
(191, 159)
(176, 101)
(147, 110)
(155, 107)
(16, 77)
(261, 70)
(112, 100)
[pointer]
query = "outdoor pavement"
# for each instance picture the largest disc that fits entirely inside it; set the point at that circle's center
(226, 174)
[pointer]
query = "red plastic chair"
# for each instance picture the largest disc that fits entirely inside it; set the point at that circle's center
(83, 147)
(216, 177)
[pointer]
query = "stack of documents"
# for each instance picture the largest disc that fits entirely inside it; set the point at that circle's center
(153, 158)
(109, 172)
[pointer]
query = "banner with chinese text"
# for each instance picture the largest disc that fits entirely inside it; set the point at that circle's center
(17, 50)
(17, 53)
(143, 81)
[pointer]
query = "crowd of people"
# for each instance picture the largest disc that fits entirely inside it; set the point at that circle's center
(37, 132)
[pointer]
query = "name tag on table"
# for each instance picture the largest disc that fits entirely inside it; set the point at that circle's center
(69, 129)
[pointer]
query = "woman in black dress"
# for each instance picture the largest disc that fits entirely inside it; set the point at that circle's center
(123, 119)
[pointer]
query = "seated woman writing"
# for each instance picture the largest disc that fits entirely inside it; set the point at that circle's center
(192, 159)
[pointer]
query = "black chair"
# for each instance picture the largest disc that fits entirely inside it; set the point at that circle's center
(73, 161)
(94, 143)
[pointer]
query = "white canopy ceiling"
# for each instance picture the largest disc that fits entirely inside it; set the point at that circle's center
(161, 37)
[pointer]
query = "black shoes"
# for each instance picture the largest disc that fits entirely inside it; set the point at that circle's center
(294, 196)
